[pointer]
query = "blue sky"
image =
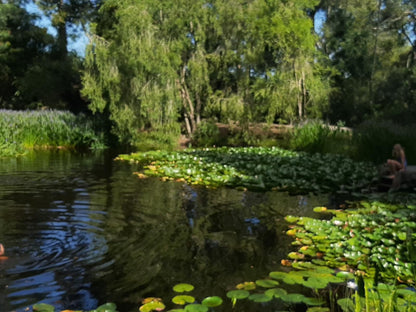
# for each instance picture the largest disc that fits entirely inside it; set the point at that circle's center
(77, 45)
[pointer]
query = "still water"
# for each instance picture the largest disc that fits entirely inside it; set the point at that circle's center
(81, 230)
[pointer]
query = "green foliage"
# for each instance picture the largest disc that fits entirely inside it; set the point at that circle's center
(369, 235)
(257, 168)
(206, 135)
(43, 307)
(151, 64)
(316, 137)
(374, 140)
(22, 130)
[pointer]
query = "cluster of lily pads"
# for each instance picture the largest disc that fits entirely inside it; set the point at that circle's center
(257, 168)
(44, 307)
(371, 237)
(183, 300)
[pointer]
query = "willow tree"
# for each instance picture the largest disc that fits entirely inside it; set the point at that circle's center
(156, 65)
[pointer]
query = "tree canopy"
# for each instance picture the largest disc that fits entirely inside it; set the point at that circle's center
(157, 68)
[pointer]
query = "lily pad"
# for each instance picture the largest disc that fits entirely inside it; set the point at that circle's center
(211, 302)
(276, 292)
(43, 307)
(196, 307)
(107, 307)
(266, 283)
(148, 307)
(183, 287)
(238, 294)
(260, 298)
(183, 299)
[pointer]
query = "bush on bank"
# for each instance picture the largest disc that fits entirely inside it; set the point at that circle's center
(24, 130)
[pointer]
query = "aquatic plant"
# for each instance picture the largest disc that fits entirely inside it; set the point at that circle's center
(257, 168)
(22, 130)
(43, 307)
(369, 237)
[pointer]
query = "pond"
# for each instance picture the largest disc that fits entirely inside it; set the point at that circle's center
(81, 230)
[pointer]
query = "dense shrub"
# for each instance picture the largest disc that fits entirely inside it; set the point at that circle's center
(374, 140)
(22, 130)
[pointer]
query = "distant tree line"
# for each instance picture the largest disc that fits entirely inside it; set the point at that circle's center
(161, 66)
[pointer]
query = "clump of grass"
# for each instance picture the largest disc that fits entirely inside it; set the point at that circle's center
(316, 137)
(374, 140)
(23, 130)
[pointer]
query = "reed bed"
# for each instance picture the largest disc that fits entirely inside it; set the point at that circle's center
(24, 130)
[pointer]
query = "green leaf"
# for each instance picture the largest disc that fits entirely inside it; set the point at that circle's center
(43, 307)
(211, 302)
(260, 298)
(183, 287)
(266, 283)
(183, 299)
(196, 307)
(276, 292)
(238, 294)
(150, 306)
(293, 298)
(107, 307)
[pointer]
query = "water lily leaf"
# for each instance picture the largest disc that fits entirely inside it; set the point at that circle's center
(246, 286)
(346, 304)
(43, 307)
(278, 275)
(345, 275)
(313, 301)
(293, 298)
(177, 310)
(196, 307)
(315, 283)
(148, 307)
(291, 219)
(183, 299)
(266, 283)
(211, 302)
(238, 294)
(318, 309)
(296, 255)
(260, 298)
(107, 307)
(320, 209)
(276, 292)
(183, 287)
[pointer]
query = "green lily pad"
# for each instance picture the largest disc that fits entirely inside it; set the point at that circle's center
(183, 287)
(276, 292)
(293, 298)
(318, 309)
(260, 298)
(238, 294)
(196, 307)
(266, 283)
(43, 307)
(107, 307)
(183, 299)
(211, 302)
(148, 307)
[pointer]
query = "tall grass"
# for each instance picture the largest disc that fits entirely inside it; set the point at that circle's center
(23, 130)
(314, 136)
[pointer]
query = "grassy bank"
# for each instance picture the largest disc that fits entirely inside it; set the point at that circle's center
(24, 130)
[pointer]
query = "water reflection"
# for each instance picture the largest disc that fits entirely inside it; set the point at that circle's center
(81, 230)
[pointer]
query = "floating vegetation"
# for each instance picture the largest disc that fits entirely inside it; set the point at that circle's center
(257, 168)
(371, 237)
(43, 307)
